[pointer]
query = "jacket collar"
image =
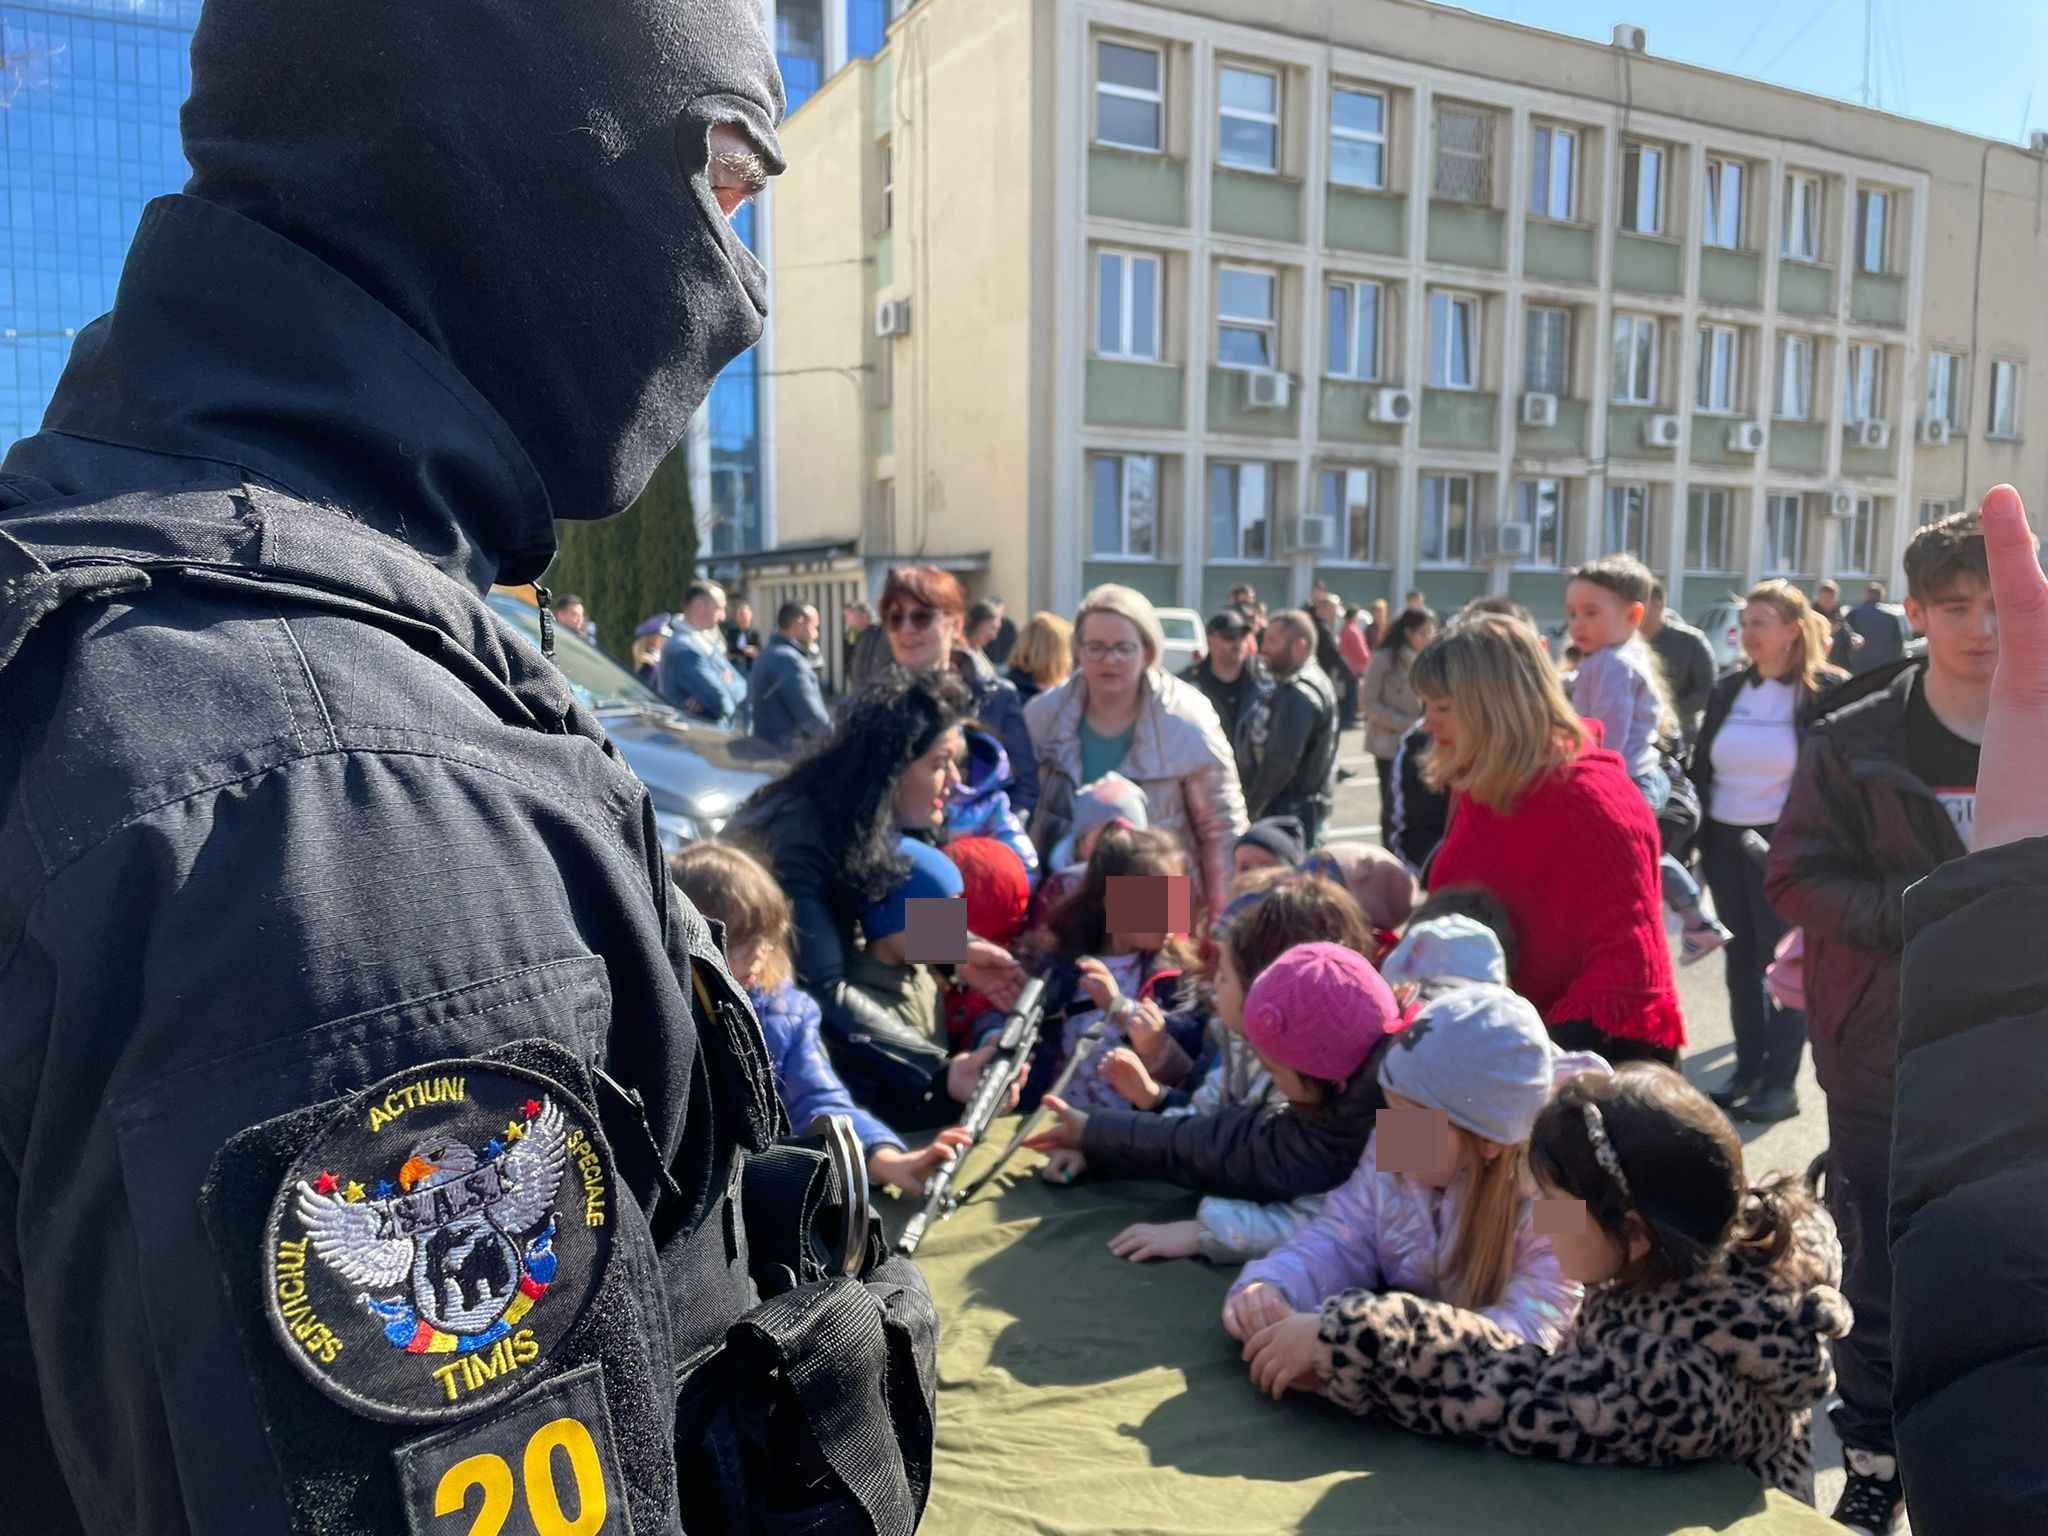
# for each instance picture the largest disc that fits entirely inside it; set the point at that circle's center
(230, 345)
(1147, 757)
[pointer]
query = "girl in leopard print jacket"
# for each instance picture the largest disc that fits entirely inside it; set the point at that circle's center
(1703, 1336)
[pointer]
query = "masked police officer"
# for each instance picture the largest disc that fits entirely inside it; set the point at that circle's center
(375, 1116)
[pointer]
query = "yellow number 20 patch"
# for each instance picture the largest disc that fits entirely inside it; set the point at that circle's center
(546, 1466)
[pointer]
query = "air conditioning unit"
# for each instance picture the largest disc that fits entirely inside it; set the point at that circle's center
(1661, 431)
(1935, 431)
(1630, 38)
(1508, 541)
(1310, 533)
(1392, 406)
(2037, 142)
(892, 317)
(1539, 410)
(1871, 434)
(1839, 503)
(1746, 437)
(1266, 390)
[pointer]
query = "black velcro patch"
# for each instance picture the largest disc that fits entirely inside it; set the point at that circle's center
(437, 1240)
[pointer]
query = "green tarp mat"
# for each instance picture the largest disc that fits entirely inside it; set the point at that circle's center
(1082, 1393)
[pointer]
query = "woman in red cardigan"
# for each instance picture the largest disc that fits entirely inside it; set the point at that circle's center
(1548, 821)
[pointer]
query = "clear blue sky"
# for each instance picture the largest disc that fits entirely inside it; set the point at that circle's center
(1977, 65)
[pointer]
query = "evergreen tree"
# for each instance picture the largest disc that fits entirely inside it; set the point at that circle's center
(639, 563)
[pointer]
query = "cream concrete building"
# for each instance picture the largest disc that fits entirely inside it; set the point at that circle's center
(1185, 295)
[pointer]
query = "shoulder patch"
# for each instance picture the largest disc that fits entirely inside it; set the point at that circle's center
(434, 1244)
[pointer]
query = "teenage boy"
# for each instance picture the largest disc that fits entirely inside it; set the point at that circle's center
(1884, 792)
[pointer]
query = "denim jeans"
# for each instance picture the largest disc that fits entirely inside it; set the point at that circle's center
(1769, 1040)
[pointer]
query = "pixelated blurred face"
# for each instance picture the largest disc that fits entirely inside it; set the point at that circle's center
(1584, 1251)
(922, 788)
(1250, 856)
(935, 930)
(1146, 910)
(1415, 1141)
(1597, 618)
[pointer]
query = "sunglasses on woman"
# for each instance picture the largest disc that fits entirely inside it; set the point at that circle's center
(909, 618)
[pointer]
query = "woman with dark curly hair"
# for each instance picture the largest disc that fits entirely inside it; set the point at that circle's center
(830, 831)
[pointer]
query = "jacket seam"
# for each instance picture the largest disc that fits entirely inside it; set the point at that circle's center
(312, 683)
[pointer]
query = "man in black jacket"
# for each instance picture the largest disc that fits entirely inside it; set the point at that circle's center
(1970, 1153)
(1688, 661)
(1883, 795)
(364, 1068)
(1230, 673)
(1287, 747)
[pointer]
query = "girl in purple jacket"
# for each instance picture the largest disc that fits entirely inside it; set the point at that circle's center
(1441, 1204)
(729, 887)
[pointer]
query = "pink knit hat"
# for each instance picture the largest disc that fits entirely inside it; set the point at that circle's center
(1319, 1010)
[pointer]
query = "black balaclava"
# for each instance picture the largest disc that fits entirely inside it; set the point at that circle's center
(524, 184)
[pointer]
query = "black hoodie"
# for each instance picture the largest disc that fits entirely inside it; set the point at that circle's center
(284, 809)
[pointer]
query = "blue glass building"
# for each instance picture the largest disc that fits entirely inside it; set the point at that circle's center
(89, 97)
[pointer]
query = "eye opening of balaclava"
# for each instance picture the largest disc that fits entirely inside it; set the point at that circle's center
(527, 186)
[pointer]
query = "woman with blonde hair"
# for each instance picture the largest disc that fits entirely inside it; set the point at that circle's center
(1748, 746)
(1043, 656)
(1121, 712)
(1554, 827)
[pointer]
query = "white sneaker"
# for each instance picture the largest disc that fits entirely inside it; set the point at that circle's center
(1701, 941)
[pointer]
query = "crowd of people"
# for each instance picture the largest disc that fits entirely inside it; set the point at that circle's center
(1499, 961)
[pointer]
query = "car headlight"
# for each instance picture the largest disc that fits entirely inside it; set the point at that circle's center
(678, 831)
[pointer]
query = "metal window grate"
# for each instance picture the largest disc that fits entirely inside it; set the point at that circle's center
(1464, 156)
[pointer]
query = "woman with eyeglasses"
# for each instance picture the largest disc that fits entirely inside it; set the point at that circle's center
(924, 613)
(1120, 712)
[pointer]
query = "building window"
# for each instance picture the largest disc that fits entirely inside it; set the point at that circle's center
(2005, 399)
(888, 187)
(1721, 212)
(885, 376)
(1944, 379)
(1248, 119)
(1784, 536)
(1246, 332)
(1873, 230)
(1354, 339)
(1859, 539)
(1795, 378)
(1446, 532)
(1642, 189)
(1706, 532)
(1240, 511)
(1358, 139)
(1863, 384)
(1127, 305)
(1351, 502)
(1130, 102)
(1453, 341)
(1125, 496)
(1539, 507)
(1625, 530)
(1635, 360)
(1802, 216)
(1720, 355)
(1546, 351)
(1553, 163)
(1464, 155)
(1935, 511)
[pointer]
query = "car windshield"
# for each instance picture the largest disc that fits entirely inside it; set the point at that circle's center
(1176, 628)
(598, 682)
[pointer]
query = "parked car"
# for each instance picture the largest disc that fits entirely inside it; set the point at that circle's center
(1185, 639)
(1722, 625)
(697, 774)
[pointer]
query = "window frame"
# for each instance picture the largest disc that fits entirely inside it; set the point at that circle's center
(1883, 201)
(1711, 334)
(1952, 406)
(1270, 325)
(1943, 507)
(1530, 384)
(1383, 140)
(1796, 183)
(1545, 154)
(1481, 158)
(1774, 502)
(888, 185)
(1156, 97)
(1270, 120)
(1350, 287)
(1632, 188)
(1698, 500)
(1544, 554)
(1858, 405)
(1447, 561)
(1453, 299)
(1710, 185)
(1123, 459)
(1625, 376)
(1269, 473)
(1996, 426)
(1864, 518)
(1125, 259)
(1808, 344)
(1640, 490)
(1338, 507)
